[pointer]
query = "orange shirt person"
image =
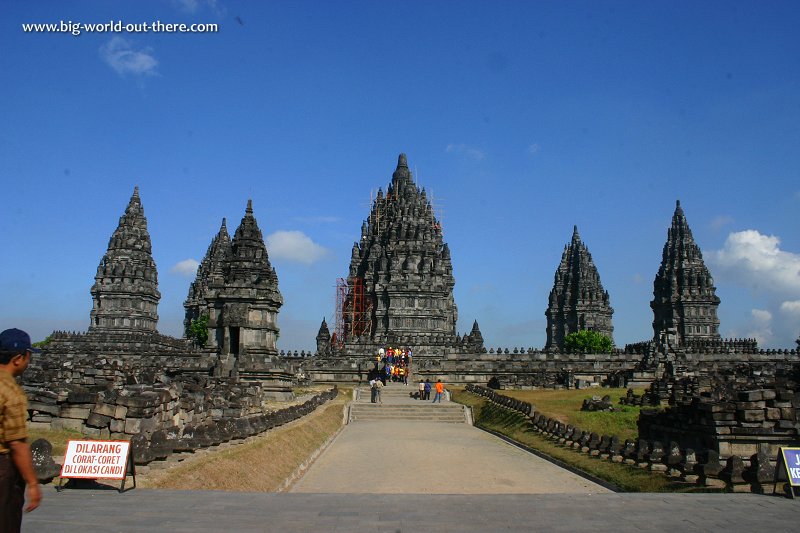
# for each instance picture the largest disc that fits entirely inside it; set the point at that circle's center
(439, 391)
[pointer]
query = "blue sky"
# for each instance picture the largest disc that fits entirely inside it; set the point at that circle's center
(523, 118)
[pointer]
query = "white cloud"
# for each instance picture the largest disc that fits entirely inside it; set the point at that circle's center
(757, 261)
(719, 222)
(534, 149)
(761, 327)
(761, 316)
(463, 149)
(187, 267)
(294, 246)
(791, 307)
(120, 55)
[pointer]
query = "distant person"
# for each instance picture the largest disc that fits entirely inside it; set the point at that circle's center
(439, 391)
(421, 390)
(17, 478)
(427, 389)
(378, 387)
(372, 389)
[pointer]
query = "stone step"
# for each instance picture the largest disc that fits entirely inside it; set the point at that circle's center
(441, 418)
(423, 406)
(427, 412)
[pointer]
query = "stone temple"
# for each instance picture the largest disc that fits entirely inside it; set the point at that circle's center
(125, 291)
(684, 297)
(578, 300)
(236, 288)
(399, 290)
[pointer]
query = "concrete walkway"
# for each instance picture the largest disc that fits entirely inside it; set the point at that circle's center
(151, 511)
(405, 457)
(407, 454)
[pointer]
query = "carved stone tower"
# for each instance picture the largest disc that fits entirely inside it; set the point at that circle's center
(684, 297)
(323, 339)
(237, 288)
(578, 300)
(210, 271)
(125, 291)
(400, 284)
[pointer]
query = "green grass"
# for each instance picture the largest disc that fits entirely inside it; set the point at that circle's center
(565, 406)
(517, 427)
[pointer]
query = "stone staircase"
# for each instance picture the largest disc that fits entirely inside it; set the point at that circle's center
(397, 405)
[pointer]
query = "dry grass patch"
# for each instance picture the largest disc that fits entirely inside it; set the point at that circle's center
(58, 438)
(260, 465)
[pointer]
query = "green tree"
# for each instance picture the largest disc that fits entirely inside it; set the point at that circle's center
(198, 330)
(588, 341)
(45, 342)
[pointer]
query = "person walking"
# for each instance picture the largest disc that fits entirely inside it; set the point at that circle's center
(427, 389)
(17, 477)
(372, 389)
(378, 387)
(439, 391)
(421, 390)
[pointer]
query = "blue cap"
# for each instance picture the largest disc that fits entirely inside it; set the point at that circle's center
(15, 341)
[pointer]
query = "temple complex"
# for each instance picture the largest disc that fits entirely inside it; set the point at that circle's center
(125, 291)
(684, 297)
(578, 300)
(399, 290)
(236, 289)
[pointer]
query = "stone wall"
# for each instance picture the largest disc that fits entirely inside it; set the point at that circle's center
(521, 367)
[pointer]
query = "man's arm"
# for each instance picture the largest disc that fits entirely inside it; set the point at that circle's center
(21, 455)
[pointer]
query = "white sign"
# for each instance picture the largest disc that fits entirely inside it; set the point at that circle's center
(96, 459)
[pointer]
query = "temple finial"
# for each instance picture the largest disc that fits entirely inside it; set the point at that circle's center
(136, 191)
(402, 161)
(249, 209)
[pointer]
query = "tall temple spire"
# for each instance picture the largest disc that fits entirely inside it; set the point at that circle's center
(400, 283)
(577, 300)
(684, 297)
(125, 292)
(210, 270)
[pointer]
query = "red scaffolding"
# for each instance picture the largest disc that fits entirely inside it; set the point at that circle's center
(353, 311)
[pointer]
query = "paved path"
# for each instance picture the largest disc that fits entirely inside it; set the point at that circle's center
(408, 457)
(397, 456)
(151, 511)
